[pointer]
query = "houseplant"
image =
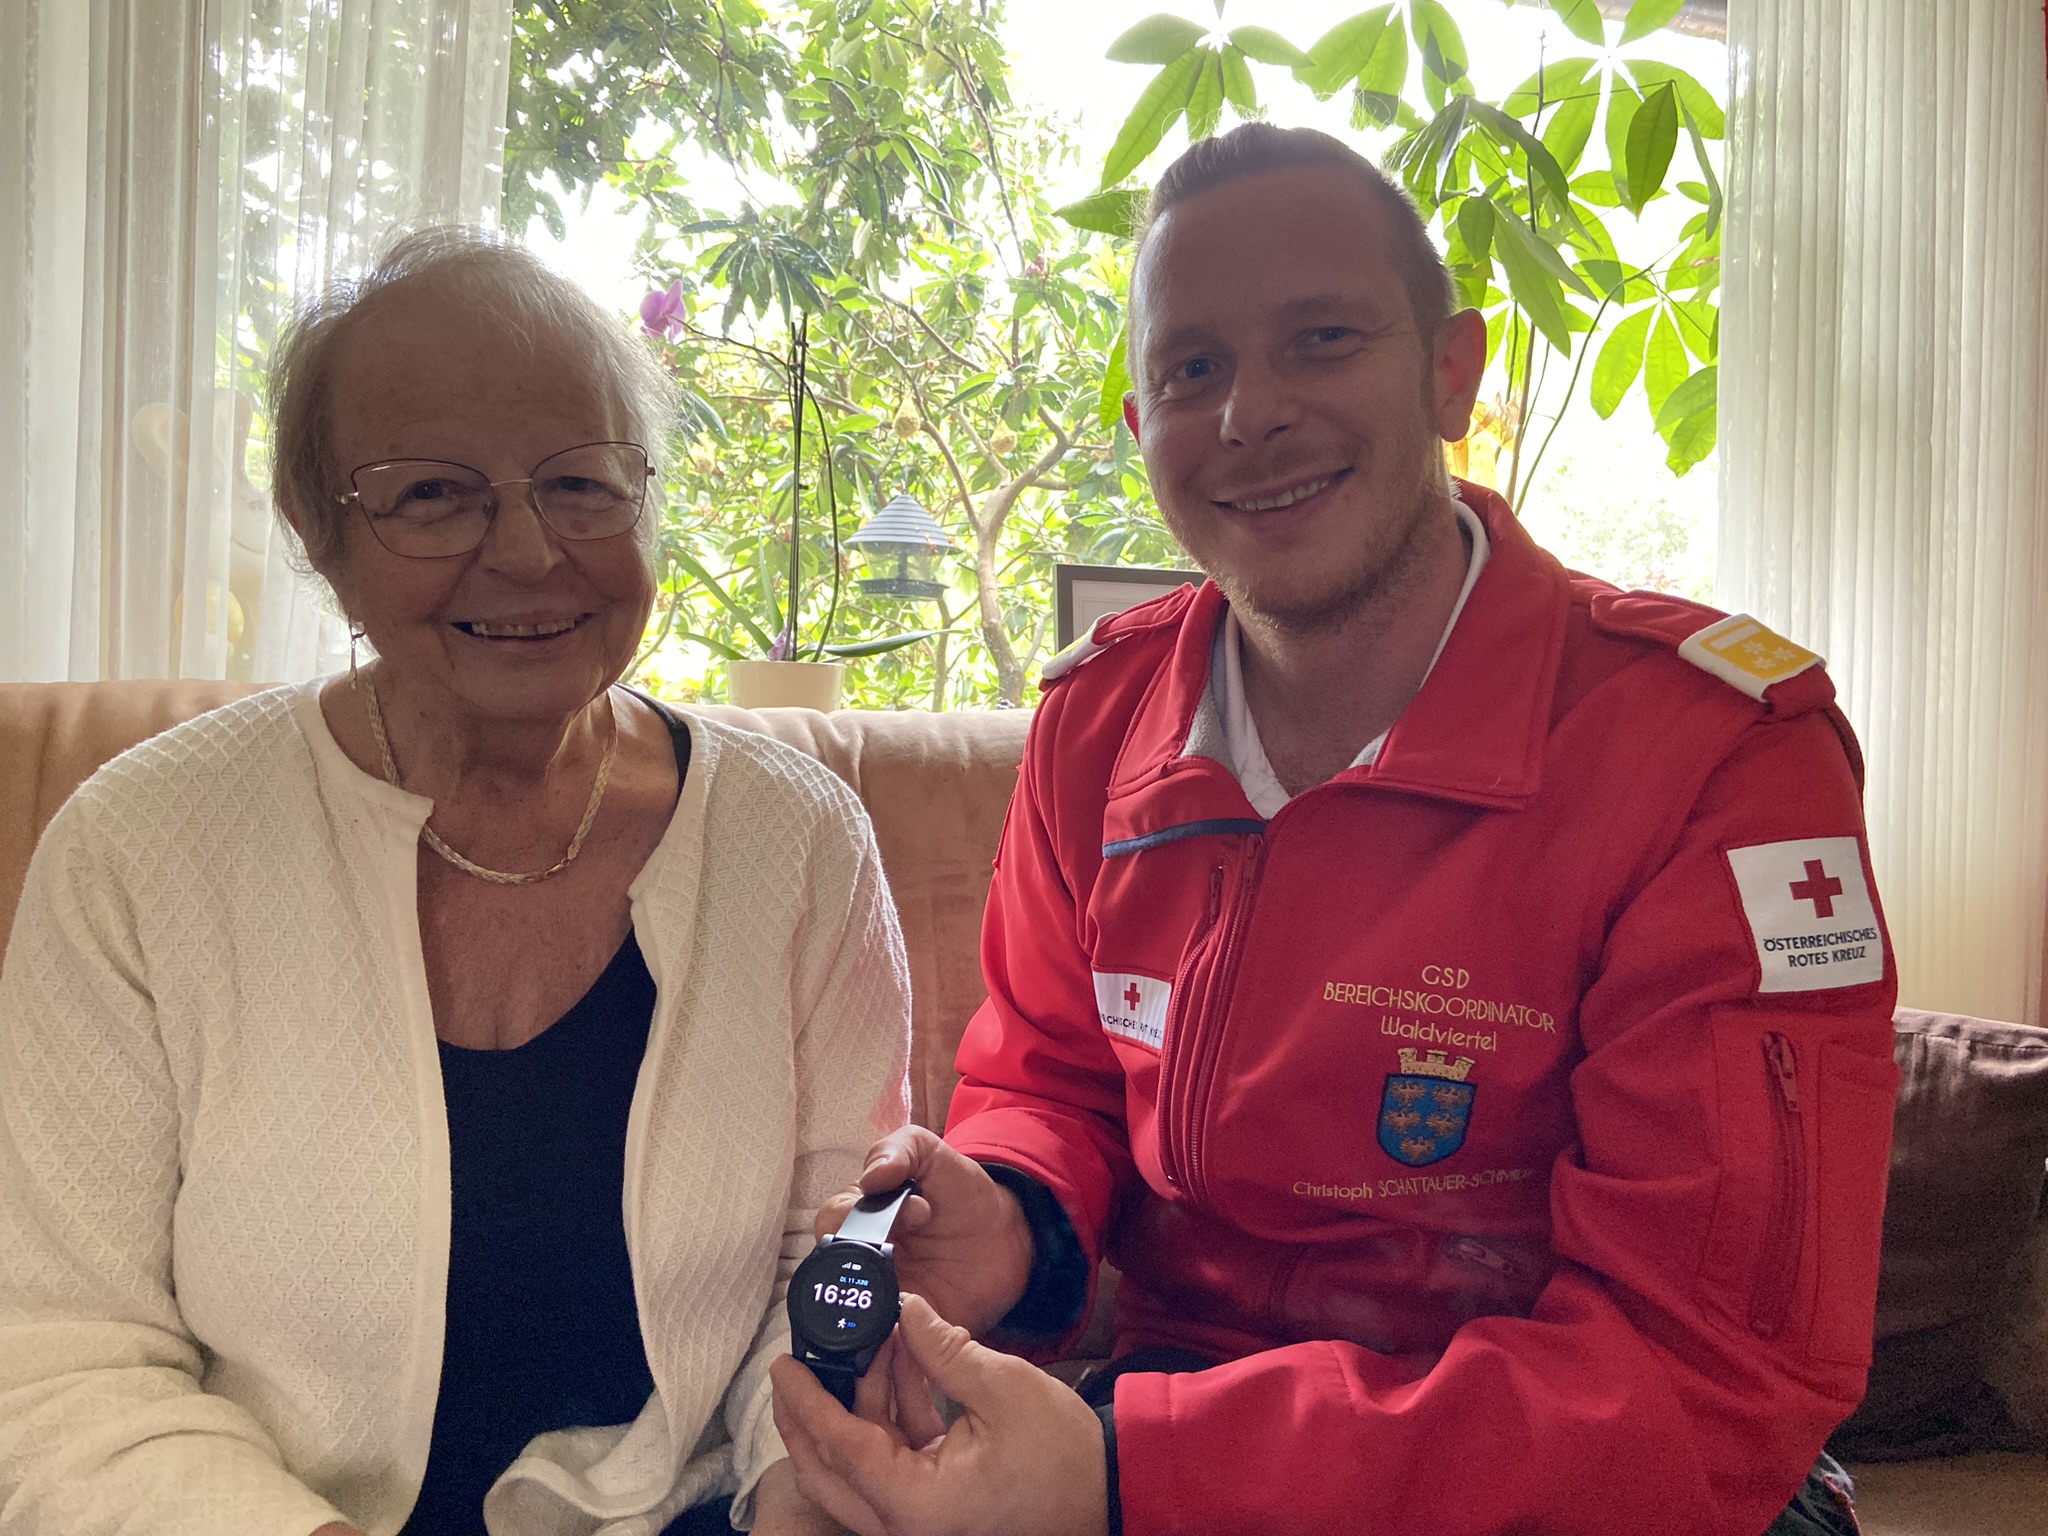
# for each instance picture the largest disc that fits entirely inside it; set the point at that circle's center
(789, 670)
(1521, 217)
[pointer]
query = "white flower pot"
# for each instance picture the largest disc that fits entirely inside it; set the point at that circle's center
(784, 684)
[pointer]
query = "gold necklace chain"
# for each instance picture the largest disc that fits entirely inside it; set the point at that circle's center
(470, 866)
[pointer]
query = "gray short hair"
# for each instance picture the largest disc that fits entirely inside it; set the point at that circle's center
(472, 264)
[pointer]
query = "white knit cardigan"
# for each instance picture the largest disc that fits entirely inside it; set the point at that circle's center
(224, 1195)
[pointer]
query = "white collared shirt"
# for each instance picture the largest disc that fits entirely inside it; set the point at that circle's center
(1233, 707)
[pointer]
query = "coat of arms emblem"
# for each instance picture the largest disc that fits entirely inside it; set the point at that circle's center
(1426, 1107)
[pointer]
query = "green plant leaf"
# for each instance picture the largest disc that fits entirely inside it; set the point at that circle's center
(1424, 157)
(1691, 440)
(1377, 100)
(1442, 45)
(1699, 327)
(1664, 364)
(1622, 105)
(1698, 393)
(1238, 89)
(1652, 138)
(1589, 236)
(1340, 53)
(1205, 98)
(1553, 83)
(1571, 128)
(1158, 39)
(1620, 360)
(1268, 47)
(1581, 18)
(1387, 70)
(1604, 275)
(980, 384)
(1713, 198)
(1697, 98)
(1543, 167)
(1532, 284)
(1597, 188)
(1647, 16)
(1107, 213)
(1548, 256)
(1475, 228)
(1697, 267)
(1116, 383)
(1373, 109)
(1158, 109)
(724, 599)
(854, 650)
(717, 648)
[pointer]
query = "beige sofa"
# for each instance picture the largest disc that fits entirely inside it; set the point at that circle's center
(936, 786)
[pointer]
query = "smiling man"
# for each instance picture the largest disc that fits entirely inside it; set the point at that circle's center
(1451, 991)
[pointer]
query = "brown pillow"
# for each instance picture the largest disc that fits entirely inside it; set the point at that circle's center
(1968, 1147)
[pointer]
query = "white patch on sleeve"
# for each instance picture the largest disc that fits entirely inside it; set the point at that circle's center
(1133, 1007)
(1809, 913)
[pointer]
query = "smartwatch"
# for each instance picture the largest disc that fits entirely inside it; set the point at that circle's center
(843, 1300)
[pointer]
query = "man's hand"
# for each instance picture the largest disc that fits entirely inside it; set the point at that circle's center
(961, 1241)
(780, 1508)
(1024, 1459)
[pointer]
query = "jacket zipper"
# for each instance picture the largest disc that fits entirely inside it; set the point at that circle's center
(1173, 1041)
(1472, 1251)
(1777, 1274)
(1209, 1034)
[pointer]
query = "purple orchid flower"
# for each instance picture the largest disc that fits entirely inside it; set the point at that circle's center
(661, 312)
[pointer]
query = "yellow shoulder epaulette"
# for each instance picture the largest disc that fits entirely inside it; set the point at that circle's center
(1744, 654)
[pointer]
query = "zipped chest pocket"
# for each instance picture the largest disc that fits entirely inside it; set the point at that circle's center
(1197, 1017)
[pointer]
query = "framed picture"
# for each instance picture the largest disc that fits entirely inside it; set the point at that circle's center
(1086, 593)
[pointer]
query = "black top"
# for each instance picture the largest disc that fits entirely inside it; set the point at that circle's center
(543, 1331)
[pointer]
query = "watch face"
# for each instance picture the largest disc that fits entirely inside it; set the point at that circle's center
(843, 1297)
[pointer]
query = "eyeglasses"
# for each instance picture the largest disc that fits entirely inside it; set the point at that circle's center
(428, 509)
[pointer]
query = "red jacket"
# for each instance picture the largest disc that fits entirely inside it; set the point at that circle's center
(1512, 1114)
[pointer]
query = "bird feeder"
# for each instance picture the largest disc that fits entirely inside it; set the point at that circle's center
(899, 552)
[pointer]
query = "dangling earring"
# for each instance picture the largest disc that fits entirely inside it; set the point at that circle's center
(356, 632)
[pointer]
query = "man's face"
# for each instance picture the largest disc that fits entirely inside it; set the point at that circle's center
(1290, 414)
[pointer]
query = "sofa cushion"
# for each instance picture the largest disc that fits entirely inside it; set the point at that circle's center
(53, 736)
(1970, 1138)
(1972, 1496)
(938, 787)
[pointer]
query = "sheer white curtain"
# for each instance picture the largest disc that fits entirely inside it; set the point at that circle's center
(1884, 460)
(183, 170)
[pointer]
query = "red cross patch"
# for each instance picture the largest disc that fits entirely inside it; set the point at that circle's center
(1810, 914)
(1133, 1007)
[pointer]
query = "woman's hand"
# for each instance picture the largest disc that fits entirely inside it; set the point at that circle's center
(780, 1508)
(961, 1241)
(337, 1528)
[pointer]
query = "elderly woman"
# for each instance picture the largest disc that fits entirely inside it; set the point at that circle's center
(416, 1087)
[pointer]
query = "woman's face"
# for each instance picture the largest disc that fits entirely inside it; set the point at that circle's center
(528, 625)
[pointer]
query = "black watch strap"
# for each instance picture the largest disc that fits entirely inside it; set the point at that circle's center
(839, 1380)
(1106, 1413)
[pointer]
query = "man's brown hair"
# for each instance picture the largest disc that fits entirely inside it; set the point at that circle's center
(1253, 149)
